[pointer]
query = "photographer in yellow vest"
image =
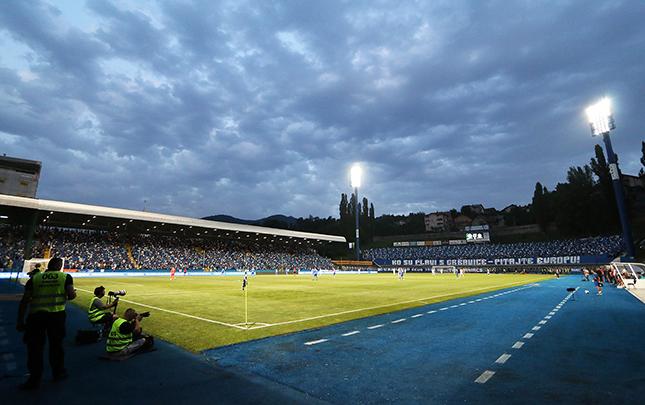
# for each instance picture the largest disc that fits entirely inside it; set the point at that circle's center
(126, 337)
(98, 312)
(45, 296)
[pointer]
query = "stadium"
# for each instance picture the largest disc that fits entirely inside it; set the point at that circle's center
(270, 111)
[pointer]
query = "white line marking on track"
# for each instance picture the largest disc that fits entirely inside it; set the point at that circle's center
(518, 345)
(315, 342)
(382, 306)
(528, 336)
(431, 312)
(478, 299)
(462, 304)
(548, 317)
(503, 358)
(551, 313)
(375, 326)
(351, 333)
(542, 322)
(454, 306)
(471, 302)
(485, 376)
(536, 328)
(416, 316)
(442, 309)
(399, 320)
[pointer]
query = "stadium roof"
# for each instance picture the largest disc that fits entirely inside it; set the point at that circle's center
(72, 215)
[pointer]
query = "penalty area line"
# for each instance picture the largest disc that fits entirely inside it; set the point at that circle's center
(230, 325)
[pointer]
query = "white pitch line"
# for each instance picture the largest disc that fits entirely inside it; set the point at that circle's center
(462, 304)
(454, 306)
(503, 358)
(536, 328)
(478, 299)
(518, 345)
(542, 322)
(443, 309)
(548, 317)
(376, 326)
(416, 316)
(431, 312)
(351, 333)
(528, 336)
(315, 342)
(551, 313)
(399, 320)
(485, 376)
(181, 313)
(471, 302)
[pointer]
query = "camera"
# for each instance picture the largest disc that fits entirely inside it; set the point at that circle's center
(118, 293)
(144, 315)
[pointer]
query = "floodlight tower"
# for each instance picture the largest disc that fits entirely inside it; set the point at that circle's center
(355, 174)
(601, 121)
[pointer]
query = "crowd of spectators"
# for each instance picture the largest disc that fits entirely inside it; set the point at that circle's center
(83, 248)
(12, 245)
(595, 246)
(218, 254)
(97, 250)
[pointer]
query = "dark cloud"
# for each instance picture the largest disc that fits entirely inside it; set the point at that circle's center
(256, 108)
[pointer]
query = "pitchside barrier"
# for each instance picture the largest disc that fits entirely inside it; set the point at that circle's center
(178, 274)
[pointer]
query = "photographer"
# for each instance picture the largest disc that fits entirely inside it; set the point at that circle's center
(126, 337)
(99, 312)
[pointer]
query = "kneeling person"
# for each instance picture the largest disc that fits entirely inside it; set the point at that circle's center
(126, 337)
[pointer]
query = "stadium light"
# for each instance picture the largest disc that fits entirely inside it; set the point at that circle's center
(600, 118)
(602, 123)
(356, 174)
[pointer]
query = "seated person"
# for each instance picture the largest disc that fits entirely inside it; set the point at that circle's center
(126, 337)
(98, 312)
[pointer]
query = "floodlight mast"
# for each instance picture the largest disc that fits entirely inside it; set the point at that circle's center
(602, 123)
(356, 174)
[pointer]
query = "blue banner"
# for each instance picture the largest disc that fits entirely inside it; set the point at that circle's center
(513, 261)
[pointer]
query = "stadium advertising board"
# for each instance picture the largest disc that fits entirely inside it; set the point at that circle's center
(522, 261)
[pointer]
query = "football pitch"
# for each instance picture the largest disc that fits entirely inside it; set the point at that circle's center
(204, 312)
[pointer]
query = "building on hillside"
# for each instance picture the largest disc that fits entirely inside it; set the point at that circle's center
(462, 221)
(438, 222)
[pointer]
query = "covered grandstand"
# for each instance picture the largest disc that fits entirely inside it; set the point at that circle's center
(36, 227)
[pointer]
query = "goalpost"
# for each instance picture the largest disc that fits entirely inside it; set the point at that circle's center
(30, 264)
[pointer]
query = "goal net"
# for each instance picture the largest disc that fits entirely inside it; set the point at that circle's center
(30, 264)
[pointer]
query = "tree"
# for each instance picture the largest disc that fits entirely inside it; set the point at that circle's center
(643, 157)
(539, 206)
(575, 207)
(606, 203)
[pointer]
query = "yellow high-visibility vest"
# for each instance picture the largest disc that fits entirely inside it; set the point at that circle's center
(95, 314)
(48, 293)
(116, 340)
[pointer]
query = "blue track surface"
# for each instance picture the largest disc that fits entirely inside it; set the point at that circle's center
(588, 350)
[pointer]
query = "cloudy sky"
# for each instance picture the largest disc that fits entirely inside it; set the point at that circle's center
(257, 108)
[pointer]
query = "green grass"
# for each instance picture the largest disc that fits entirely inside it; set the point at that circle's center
(279, 304)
